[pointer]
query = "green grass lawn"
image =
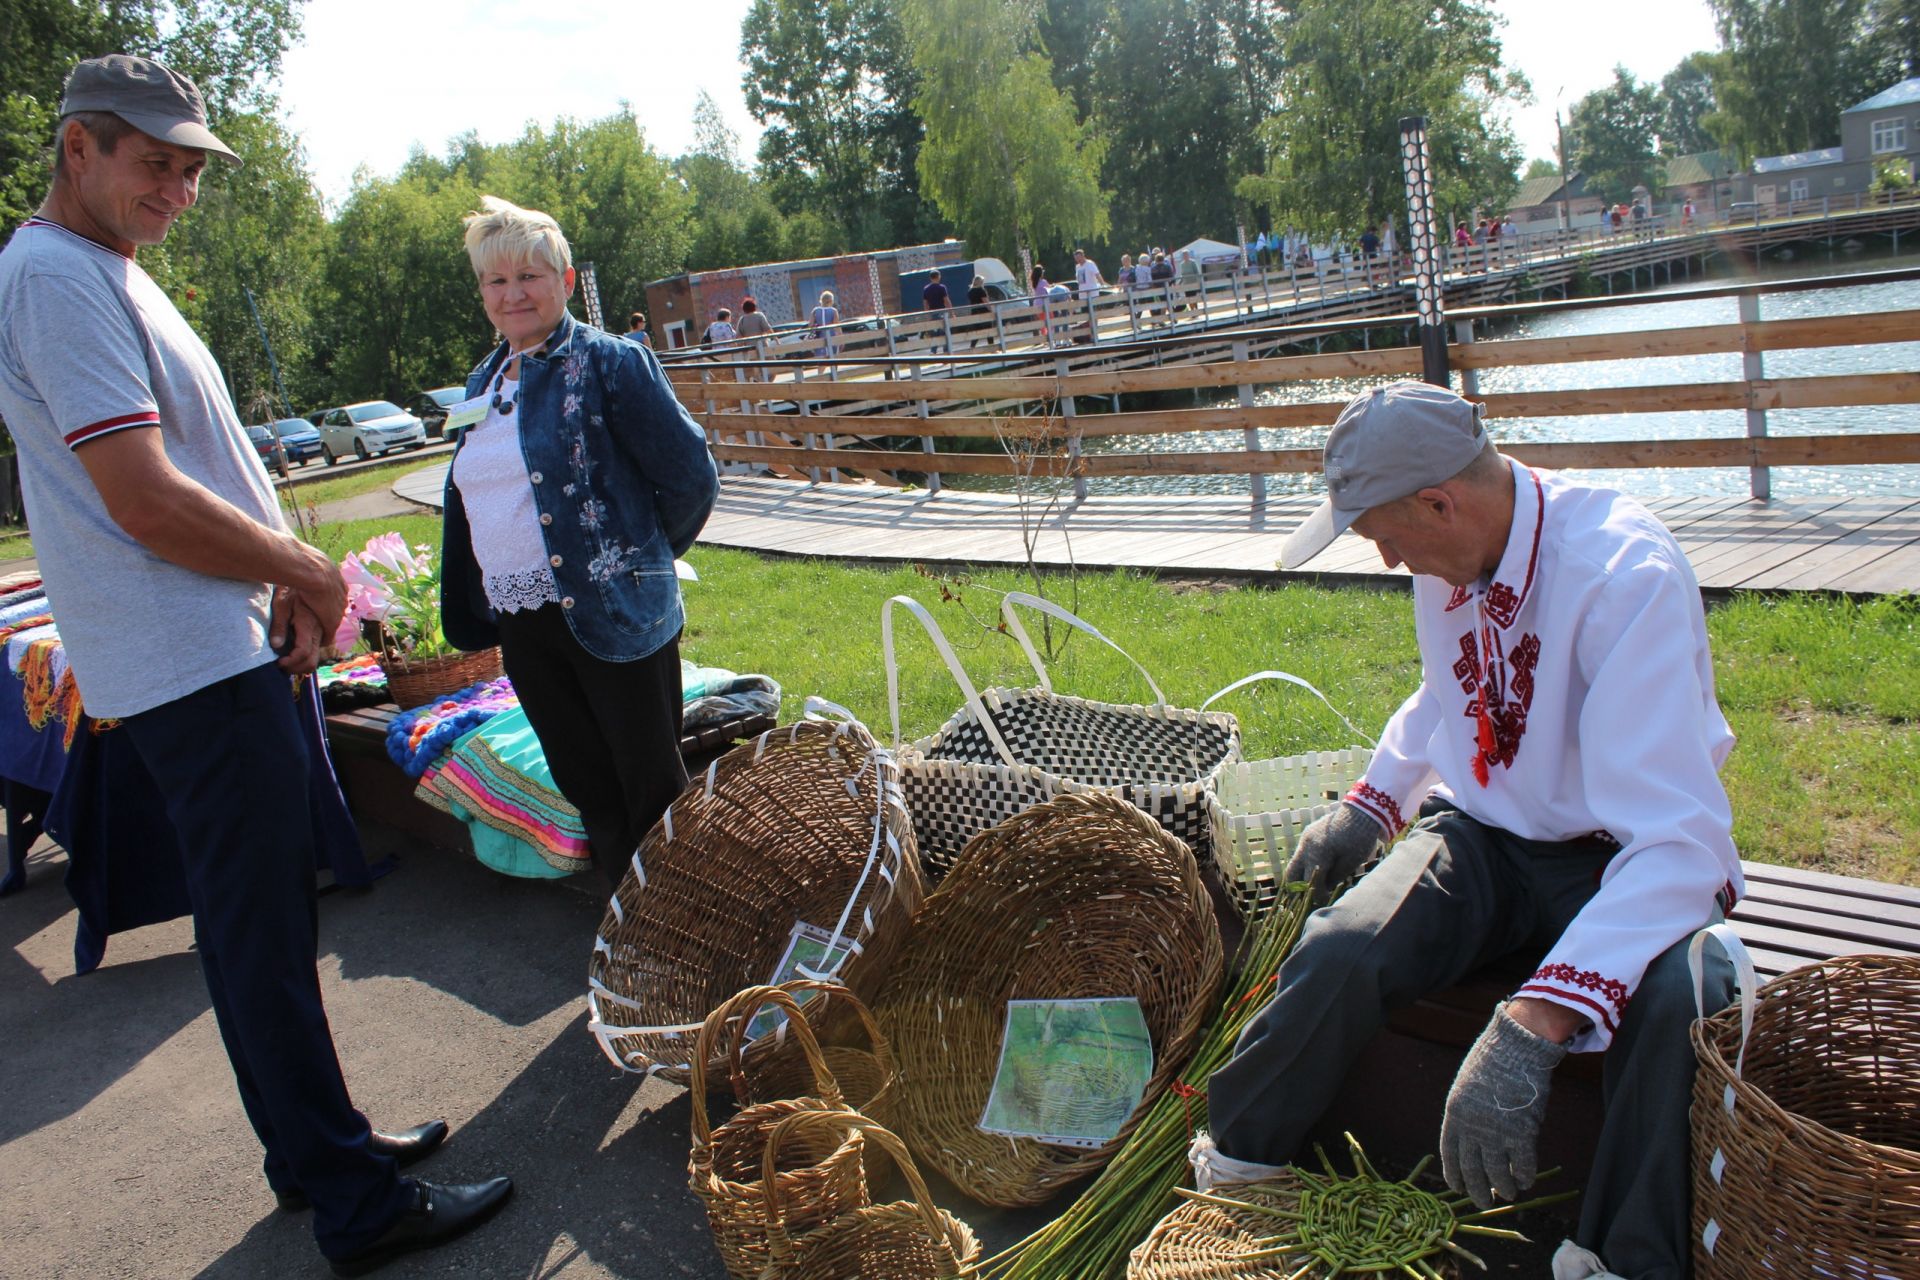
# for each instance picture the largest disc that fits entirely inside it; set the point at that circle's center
(1824, 695)
(15, 544)
(354, 483)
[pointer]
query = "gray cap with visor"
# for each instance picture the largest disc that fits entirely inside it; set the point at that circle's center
(155, 99)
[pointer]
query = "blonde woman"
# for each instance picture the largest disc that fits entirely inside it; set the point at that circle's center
(565, 507)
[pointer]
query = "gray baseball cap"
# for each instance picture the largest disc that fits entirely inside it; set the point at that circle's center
(1387, 443)
(156, 100)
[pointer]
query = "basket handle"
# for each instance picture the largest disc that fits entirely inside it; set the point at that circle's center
(1053, 610)
(1290, 678)
(780, 1244)
(959, 672)
(741, 1007)
(830, 991)
(1743, 969)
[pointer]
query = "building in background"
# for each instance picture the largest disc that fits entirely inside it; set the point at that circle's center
(1885, 128)
(680, 307)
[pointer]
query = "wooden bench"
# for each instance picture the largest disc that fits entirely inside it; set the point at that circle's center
(376, 787)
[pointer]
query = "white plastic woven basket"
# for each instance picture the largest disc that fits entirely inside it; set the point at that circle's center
(1256, 809)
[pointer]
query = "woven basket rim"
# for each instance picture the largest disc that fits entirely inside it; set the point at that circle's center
(1713, 1034)
(1006, 695)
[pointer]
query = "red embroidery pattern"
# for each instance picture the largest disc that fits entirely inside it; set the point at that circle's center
(1571, 982)
(1460, 596)
(1379, 804)
(1503, 605)
(1504, 688)
(1503, 602)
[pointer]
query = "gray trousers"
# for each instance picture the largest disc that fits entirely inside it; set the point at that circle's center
(1451, 897)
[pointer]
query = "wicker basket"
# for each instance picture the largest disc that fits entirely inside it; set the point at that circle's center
(1199, 1241)
(1006, 750)
(865, 1075)
(414, 682)
(803, 824)
(1806, 1123)
(1083, 896)
(908, 1240)
(1256, 809)
(822, 1173)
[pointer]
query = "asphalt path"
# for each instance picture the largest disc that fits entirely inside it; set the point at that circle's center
(317, 468)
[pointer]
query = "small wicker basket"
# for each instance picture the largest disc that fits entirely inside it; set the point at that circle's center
(802, 824)
(1083, 896)
(823, 1173)
(1256, 810)
(865, 1076)
(908, 1240)
(414, 682)
(1806, 1122)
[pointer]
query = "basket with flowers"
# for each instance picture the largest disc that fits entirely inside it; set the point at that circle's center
(393, 606)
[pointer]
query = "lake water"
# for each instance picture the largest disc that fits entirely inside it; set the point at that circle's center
(1655, 314)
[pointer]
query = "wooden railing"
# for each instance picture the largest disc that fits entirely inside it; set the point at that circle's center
(818, 425)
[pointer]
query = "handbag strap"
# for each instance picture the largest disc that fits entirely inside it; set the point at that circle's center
(958, 672)
(1743, 969)
(1053, 610)
(1289, 678)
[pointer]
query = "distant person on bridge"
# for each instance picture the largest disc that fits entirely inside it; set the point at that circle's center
(721, 330)
(753, 324)
(637, 329)
(1550, 793)
(188, 609)
(825, 317)
(977, 309)
(1189, 276)
(1087, 283)
(933, 297)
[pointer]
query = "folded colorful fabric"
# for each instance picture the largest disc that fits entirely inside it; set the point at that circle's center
(496, 781)
(418, 737)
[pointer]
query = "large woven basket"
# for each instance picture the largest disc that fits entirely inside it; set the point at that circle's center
(911, 1239)
(802, 824)
(821, 1172)
(1806, 1123)
(1006, 750)
(865, 1076)
(1080, 897)
(414, 682)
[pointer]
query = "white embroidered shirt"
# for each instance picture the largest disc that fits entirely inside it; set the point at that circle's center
(491, 473)
(1569, 694)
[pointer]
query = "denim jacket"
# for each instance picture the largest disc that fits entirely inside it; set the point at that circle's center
(622, 480)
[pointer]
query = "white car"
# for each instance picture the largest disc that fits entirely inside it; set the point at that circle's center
(368, 428)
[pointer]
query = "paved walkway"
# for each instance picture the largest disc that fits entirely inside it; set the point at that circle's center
(1866, 546)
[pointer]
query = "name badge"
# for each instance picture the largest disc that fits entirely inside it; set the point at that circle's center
(465, 414)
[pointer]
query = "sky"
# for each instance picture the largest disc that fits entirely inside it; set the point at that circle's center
(372, 79)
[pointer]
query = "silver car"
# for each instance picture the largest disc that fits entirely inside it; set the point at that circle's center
(368, 428)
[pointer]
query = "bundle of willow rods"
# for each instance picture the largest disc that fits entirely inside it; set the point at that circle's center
(1092, 1238)
(1358, 1225)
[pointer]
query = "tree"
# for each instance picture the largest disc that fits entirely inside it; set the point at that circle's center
(1538, 168)
(1893, 41)
(1353, 68)
(230, 48)
(1612, 137)
(734, 219)
(1787, 70)
(1686, 100)
(1005, 156)
(831, 80)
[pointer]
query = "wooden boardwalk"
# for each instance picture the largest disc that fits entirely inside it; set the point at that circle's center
(1862, 546)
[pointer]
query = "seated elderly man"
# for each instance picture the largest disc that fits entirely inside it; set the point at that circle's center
(1560, 763)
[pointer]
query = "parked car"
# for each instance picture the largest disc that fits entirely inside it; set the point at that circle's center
(265, 444)
(368, 428)
(297, 436)
(431, 407)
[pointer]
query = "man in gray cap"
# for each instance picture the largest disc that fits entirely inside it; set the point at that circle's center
(184, 603)
(1560, 764)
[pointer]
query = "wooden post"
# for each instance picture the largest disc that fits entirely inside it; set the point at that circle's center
(926, 442)
(999, 329)
(1244, 392)
(1239, 302)
(1133, 312)
(1294, 276)
(1073, 435)
(1469, 378)
(1759, 479)
(805, 412)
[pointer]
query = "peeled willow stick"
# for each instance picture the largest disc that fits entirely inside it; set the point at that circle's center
(1092, 1238)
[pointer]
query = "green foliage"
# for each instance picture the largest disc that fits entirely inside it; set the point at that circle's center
(1788, 69)
(1891, 175)
(832, 82)
(1353, 68)
(1686, 100)
(1611, 138)
(1893, 41)
(734, 217)
(1539, 168)
(1006, 156)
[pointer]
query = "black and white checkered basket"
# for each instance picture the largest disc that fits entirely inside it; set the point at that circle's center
(1006, 750)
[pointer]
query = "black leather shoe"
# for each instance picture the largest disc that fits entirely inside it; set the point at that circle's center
(408, 1147)
(440, 1213)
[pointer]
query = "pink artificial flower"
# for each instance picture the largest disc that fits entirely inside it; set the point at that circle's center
(389, 551)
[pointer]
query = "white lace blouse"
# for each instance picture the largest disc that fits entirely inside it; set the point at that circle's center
(491, 474)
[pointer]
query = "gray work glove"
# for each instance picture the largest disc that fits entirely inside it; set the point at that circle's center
(1332, 848)
(1489, 1137)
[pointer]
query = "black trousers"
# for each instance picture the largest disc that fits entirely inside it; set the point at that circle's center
(233, 767)
(610, 730)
